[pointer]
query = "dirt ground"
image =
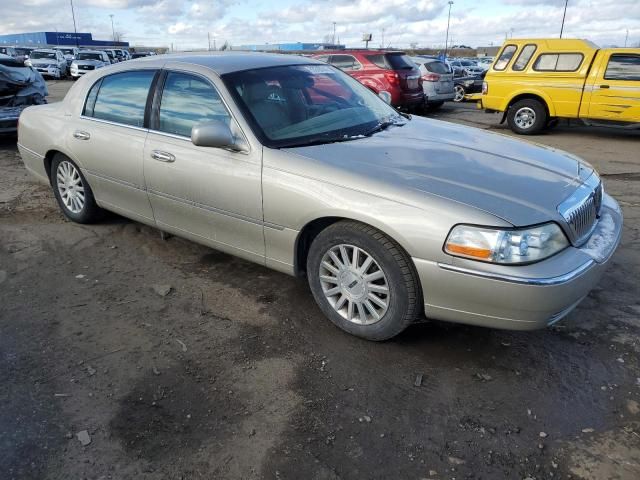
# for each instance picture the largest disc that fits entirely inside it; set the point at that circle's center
(236, 374)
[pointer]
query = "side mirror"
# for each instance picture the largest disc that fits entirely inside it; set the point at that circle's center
(386, 96)
(213, 134)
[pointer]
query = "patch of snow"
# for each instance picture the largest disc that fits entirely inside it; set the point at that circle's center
(599, 245)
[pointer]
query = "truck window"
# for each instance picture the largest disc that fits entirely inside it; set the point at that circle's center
(558, 62)
(523, 59)
(623, 67)
(505, 57)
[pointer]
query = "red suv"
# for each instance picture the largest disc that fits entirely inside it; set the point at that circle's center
(381, 71)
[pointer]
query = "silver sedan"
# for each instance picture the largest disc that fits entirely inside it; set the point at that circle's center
(290, 163)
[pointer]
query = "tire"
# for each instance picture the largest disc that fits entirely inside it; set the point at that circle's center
(403, 297)
(79, 205)
(527, 117)
(460, 93)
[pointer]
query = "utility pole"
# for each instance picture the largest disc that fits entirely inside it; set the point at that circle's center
(75, 30)
(333, 38)
(113, 31)
(566, 2)
(209, 41)
(382, 44)
(626, 37)
(446, 42)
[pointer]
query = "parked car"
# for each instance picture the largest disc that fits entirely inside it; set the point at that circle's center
(9, 51)
(437, 81)
(464, 68)
(49, 62)
(88, 60)
(382, 71)
(122, 54)
(293, 164)
(467, 85)
(20, 87)
(112, 56)
(536, 82)
(23, 53)
(135, 55)
(69, 53)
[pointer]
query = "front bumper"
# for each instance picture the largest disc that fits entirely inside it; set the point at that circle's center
(49, 72)
(521, 297)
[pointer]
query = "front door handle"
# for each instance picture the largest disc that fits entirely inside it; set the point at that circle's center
(163, 156)
(604, 86)
(81, 135)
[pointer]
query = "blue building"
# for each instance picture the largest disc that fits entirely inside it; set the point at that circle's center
(290, 47)
(43, 39)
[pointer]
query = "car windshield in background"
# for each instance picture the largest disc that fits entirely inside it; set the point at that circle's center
(89, 56)
(36, 55)
(67, 51)
(23, 51)
(308, 104)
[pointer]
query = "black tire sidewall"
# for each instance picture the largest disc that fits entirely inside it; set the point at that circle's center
(397, 316)
(90, 210)
(540, 121)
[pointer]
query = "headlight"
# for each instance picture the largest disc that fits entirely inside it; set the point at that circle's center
(505, 246)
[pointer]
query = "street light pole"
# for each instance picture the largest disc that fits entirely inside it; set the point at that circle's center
(626, 37)
(113, 31)
(333, 39)
(75, 30)
(566, 2)
(446, 42)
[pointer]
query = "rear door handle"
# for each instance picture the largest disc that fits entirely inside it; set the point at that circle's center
(604, 86)
(80, 135)
(163, 156)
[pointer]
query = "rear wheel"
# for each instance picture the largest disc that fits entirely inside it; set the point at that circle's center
(72, 191)
(363, 281)
(459, 93)
(527, 117)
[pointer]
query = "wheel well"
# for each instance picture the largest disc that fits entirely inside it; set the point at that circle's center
(48, 158)
(525, 96)
(305, 238)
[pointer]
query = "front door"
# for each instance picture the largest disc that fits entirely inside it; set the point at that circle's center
(615, 91)
(211, 194)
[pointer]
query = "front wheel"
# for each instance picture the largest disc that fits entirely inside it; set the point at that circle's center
(363, 281)
(72, 191)
(527, 117)
(459, 93)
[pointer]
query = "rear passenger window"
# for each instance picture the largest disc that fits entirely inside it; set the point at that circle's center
(623, 67)
(505, 57)
(345, 62)
(121, 98)
(524, 57)
(188, 100)
(558, 62)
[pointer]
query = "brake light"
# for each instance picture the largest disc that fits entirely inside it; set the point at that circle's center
(392, 77)
(431, 77)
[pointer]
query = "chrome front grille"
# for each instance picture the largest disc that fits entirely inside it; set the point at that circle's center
(581, 210)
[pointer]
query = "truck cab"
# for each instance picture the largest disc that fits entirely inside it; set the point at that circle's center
(534, 82)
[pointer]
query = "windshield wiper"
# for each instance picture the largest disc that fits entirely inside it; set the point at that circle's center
(382, 126)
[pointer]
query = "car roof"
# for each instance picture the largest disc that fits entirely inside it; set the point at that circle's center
(229, 62)
(91, 51)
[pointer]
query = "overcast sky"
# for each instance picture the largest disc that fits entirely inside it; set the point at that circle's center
(185, 23)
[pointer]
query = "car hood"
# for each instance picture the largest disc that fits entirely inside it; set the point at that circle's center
(44, 61)
(518, 181)
(95, 63)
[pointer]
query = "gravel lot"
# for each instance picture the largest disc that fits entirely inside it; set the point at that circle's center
(235, 373)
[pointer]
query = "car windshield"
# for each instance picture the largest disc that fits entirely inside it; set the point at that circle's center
(37, 54)
(67, 51)
(110, 54)
(308, 105)
(23, 51)
(89, 56)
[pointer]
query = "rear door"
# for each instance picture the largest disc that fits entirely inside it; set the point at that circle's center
(615, 87)
(108, 141)
(211, 194)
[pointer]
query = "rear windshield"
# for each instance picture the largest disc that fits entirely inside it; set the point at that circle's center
(436, 67)
(392, 61)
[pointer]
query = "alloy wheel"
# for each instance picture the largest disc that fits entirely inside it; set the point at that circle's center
(70, 186)
(525, 118)
(354, 284)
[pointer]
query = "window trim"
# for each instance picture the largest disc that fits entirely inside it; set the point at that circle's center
(154, 119)
(533, 67)
(524, 67)
(621, 54)
(145, 124)
(500, 55)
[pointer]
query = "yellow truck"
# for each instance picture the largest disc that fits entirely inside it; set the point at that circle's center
(535, 82)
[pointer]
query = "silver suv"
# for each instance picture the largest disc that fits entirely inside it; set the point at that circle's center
(437, 81)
